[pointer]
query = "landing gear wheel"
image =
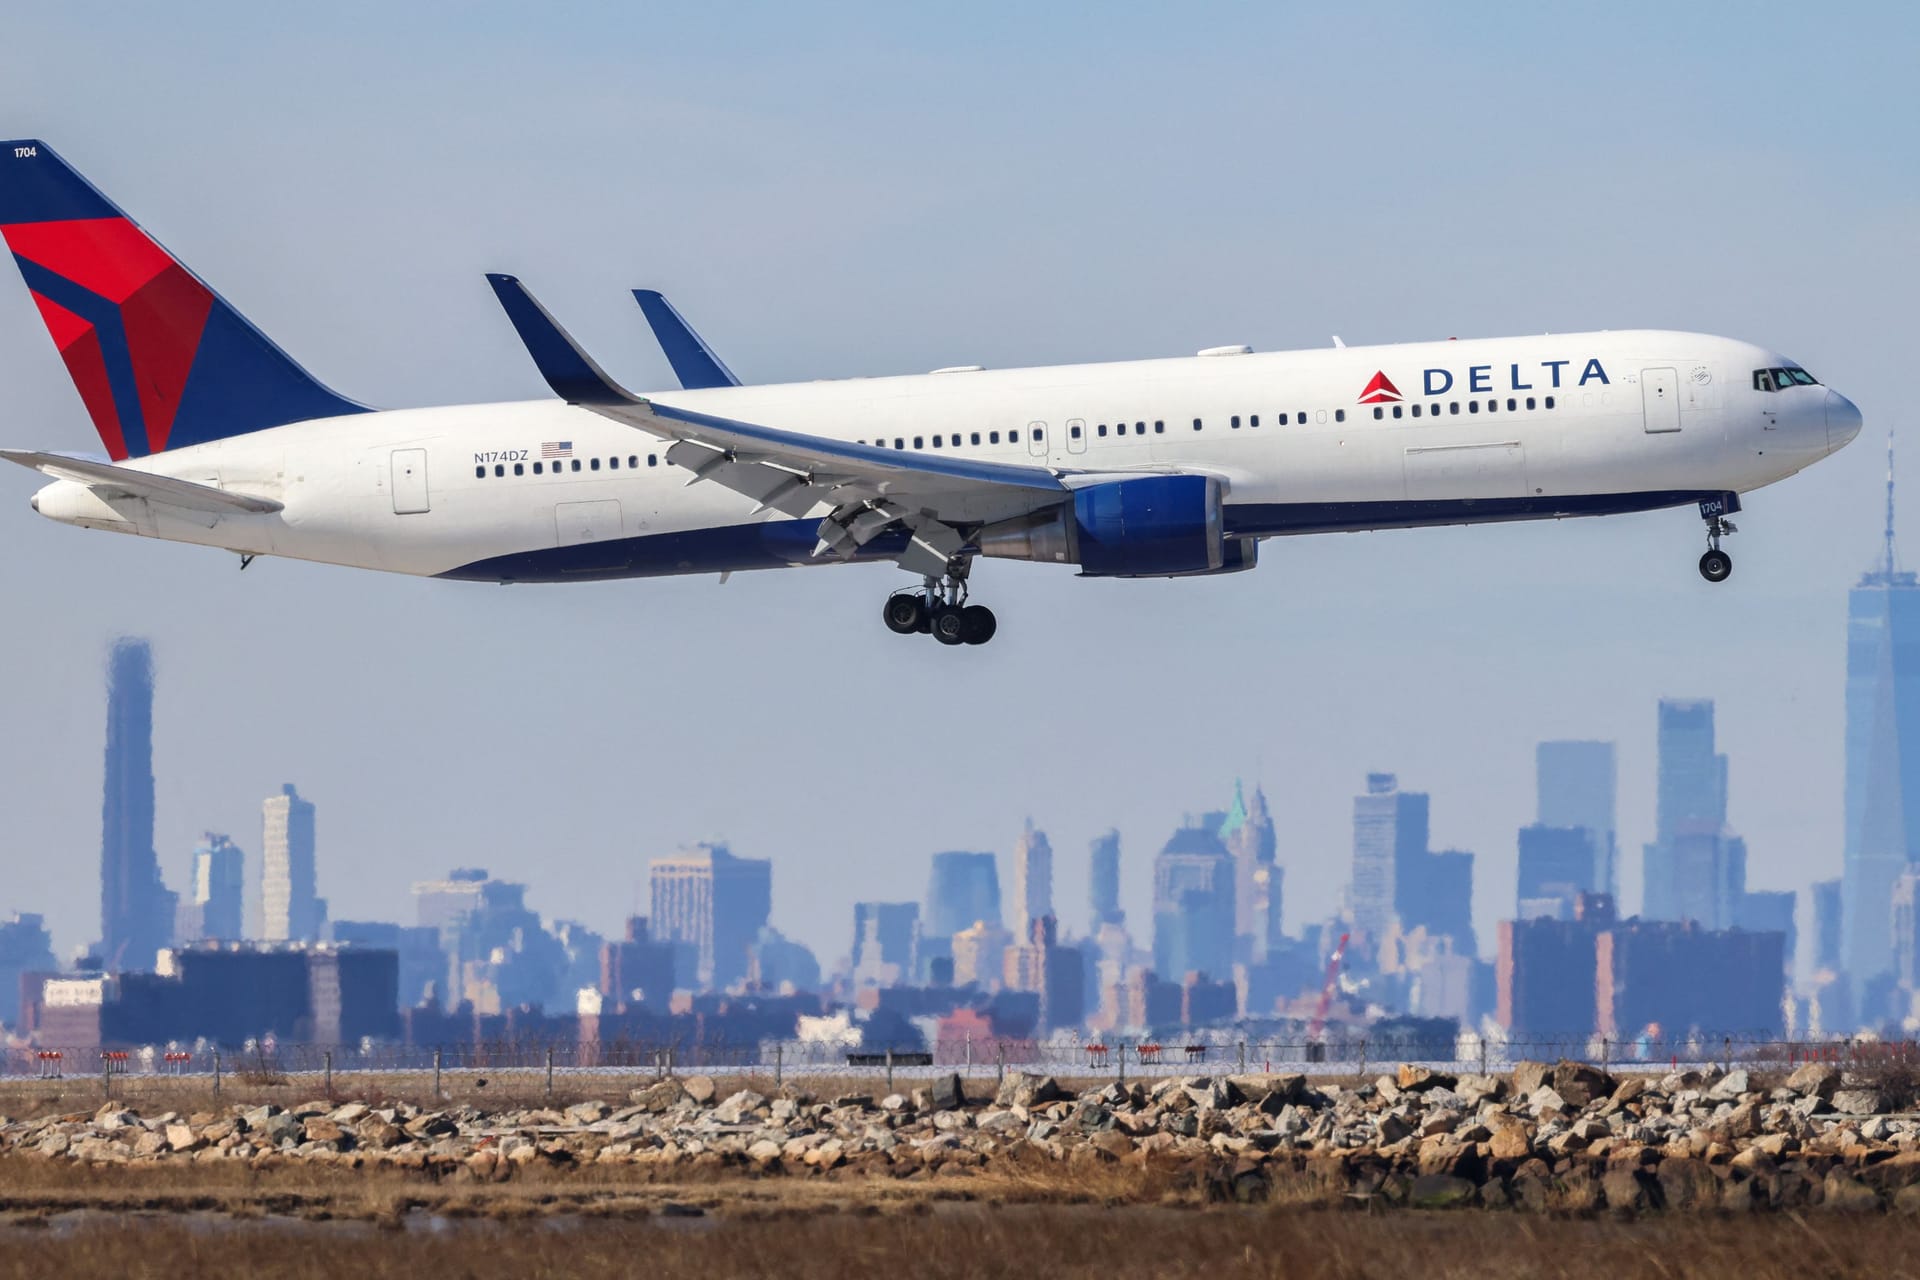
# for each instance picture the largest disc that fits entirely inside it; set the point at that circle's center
(1716, 565)
(977, 624)
(949, 624)
(905, 614)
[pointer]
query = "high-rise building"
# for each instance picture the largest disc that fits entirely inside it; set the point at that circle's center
(422, 973)
(136, 910)
(1389, 832)
(1904, 926)
(1770, 911)
(963, 888)
(1557, 865)
(213, 906)
(1436, 893)
(1032, 878)
(979, 953)
(1055, 973)
(25, 948)
(637, 972)
(715, 903)
(1249, 835)
(883, 941)
(1103, 882)
(290, 910)
(1576, 783)
(1826, 897)
(1883, 753)
(1193, 908)
(1696, 869)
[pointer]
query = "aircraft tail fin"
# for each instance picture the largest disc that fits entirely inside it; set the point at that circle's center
(693, 361)
(160, 360)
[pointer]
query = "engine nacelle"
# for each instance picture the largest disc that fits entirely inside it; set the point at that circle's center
(1152, 527)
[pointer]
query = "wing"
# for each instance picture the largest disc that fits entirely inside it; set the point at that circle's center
(941, 500)
(692, 359)
(110, 481)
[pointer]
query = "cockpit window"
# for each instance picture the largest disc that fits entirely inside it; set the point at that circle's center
(1780, 379)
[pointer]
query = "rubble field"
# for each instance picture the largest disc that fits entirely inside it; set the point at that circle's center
(1565, 1138)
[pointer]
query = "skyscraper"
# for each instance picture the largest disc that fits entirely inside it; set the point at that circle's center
(1577, 782)
(1826, 896)
(1883, 753)
(1103, 882)
(1556, 866)
(1696, 869)
(136, 910)
(1193, 904)
(883, 941)
(290, 911)
(219, 881)
(716, 904)
(1032, 879)
(1389, 832)
(962, 889)
(1249, 835)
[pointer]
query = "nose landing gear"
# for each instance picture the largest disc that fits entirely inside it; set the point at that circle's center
(940, 609)
(1716, 565)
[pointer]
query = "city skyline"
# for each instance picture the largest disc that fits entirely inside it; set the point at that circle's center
(442, 725)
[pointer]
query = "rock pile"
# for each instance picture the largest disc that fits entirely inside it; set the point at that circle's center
(1545, 1136)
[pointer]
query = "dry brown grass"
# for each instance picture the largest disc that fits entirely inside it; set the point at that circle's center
(938, 1242)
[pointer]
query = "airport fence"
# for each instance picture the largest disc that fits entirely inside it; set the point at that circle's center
(522, 1070)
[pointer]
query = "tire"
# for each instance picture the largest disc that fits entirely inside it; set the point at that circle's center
(977, 624)
(1716, 566)
(949, 625)
(905, 614)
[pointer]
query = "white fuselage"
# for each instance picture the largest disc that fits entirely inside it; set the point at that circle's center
(1639, 419)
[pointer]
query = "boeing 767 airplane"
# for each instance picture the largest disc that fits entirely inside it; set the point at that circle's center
(1141, 469)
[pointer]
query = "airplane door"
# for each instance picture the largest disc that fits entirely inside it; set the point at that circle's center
(1037, 439)
(1076, 435)
(410, 482)
(1660, 397)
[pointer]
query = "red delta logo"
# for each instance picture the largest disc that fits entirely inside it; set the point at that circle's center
(1380, 391)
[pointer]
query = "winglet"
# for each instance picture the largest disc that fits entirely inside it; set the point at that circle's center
(693, 361)
(570, 371)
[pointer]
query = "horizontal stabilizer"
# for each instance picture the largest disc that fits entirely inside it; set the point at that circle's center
(693, 361)
(110, 481)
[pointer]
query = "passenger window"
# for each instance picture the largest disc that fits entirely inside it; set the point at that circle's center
(1254, 421)
(1196, 424)
(976, 437)
(1378, 413)
(519, 469)
(1101, 430)
(593, 464)
(479, 473)
(1013, 437)
(653, 460)
(899, 443)
(1549, 402)
(1529, 402)
(919, 442)
(499, 469)
(993, 437)
(1159, 427)
(613, 464)
(1512, 405)
(539, 469)
(1453, 406)
(1074, 431)
(576, 464)
(1339, 415)
(1233, 422)
(633, 461)
(1416, 411)
(1493, 406)
(1473, 406)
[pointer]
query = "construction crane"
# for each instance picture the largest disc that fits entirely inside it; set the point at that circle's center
(1326, 992)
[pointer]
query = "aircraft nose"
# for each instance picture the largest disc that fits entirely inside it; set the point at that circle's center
(1843, 420)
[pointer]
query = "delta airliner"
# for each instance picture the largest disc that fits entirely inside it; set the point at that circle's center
(1149, 468)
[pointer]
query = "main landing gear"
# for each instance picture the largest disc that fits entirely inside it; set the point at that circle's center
(940, 609)
(1716, 565)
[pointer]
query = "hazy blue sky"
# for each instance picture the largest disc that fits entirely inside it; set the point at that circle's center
(880, 189)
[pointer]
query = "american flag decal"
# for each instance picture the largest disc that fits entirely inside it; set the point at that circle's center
(556, 449)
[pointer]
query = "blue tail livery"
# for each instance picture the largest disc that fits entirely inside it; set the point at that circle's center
(693, 361)
(160, 360)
